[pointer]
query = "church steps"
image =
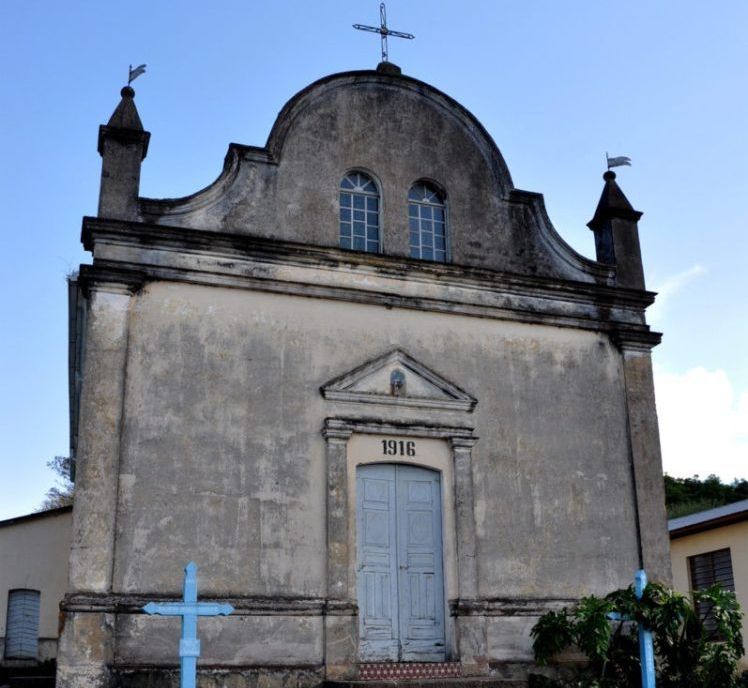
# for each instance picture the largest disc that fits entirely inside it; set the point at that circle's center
(463, 682)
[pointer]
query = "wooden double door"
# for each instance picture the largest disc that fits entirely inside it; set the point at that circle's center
(399, 563)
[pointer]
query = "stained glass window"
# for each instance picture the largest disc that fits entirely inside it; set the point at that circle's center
(427, 221)
(359, 213)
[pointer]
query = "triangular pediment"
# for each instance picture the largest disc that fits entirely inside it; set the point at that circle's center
(397, 379)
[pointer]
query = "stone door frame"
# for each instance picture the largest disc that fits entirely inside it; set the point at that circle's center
(341, 628)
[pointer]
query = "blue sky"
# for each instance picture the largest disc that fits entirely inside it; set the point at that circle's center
(556, 84)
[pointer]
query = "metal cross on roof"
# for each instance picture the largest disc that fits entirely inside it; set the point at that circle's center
(383, 31)
(189, 609)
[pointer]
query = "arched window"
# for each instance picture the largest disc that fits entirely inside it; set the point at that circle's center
(359, 213)
(428, 223)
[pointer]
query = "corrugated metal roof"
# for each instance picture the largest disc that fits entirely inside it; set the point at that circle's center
(702, 517)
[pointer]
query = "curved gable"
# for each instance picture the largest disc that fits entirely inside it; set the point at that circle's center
(398, 130)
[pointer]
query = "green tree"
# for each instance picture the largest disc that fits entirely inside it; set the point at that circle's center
(690, 653)
(685, 496)
(61, 494)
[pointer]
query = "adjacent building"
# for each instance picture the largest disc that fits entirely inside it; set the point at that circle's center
(33, 580)
(711, 547)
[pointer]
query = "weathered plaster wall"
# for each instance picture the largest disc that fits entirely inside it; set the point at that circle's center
(34, 555)
(92, 544)
(223, 461)
(234, 640)
(214, 320)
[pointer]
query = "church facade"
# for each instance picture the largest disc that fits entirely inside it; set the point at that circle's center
(362, 382)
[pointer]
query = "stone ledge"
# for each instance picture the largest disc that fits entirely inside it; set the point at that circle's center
(219, 677)
(98, 232)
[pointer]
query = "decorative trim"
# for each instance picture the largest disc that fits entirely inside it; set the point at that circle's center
(460, 442)
(109, 278)
(509, 607)
(128, 669)
(554, 241)
(125, 603)
(383, 399)
(126, 136)
(334, 432)
(339, 389)
(236, 253)
(339, 550)
(635, 340)
(377, 427)
(393, 671)
(205, 197)
(341, 608)
(451, 109)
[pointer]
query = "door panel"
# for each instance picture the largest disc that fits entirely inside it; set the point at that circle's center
(377, 563)
(420, 564)
(400, 579)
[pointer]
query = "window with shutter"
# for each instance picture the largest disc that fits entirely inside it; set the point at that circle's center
(706, 570)
(22, 628)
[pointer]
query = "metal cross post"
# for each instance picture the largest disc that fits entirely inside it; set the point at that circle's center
(189, 609)
(646, 644)
(383, 31)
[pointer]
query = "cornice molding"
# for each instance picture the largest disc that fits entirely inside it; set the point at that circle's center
(374, 426)
(229, 244)
(110, 278)
(233, 260)
(255, 605)
(519, 606)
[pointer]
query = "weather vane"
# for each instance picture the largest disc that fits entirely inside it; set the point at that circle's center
(383, 31)
(133, 74)
(620, 161)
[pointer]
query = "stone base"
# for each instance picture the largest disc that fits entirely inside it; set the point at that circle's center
(259, 677)
(405, 675)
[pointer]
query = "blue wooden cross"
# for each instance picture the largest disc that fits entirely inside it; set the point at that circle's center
(646, 643)
(189, 609)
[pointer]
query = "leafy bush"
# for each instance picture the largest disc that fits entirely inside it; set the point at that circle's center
(692, 651)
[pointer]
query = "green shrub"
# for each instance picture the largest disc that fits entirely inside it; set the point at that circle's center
(692, 651)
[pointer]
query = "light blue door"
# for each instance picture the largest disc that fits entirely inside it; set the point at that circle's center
(377, 563)
(400, 579)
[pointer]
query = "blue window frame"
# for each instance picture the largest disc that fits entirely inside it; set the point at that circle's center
(427, 222)
(359, 213)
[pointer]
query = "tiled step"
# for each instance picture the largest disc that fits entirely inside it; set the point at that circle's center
(422, 675)
(372, 671)
(463, 682)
